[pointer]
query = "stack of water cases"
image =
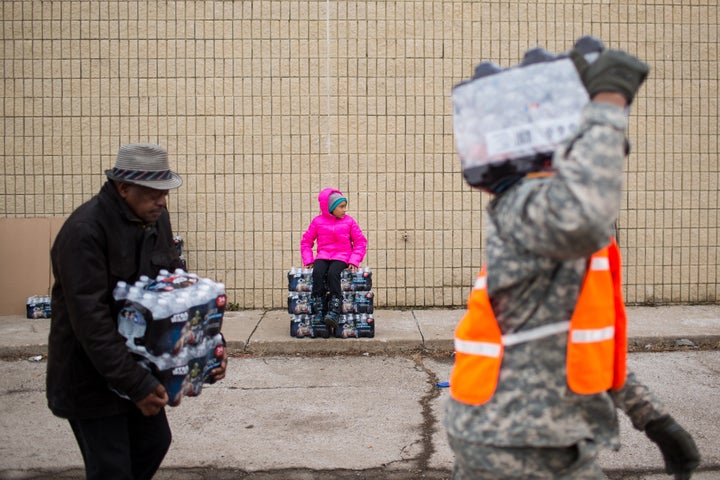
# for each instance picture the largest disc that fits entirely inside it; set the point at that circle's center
(356, 320)
(172, 323)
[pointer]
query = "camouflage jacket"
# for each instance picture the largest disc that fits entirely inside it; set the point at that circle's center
(540, 233)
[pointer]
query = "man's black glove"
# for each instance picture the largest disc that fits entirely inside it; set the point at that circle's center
(677, 446)
(613, 71)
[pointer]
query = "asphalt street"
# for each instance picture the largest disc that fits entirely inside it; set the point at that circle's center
(305, 409)
(317, 417)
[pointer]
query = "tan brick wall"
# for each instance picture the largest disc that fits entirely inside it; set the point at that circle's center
(263, 103)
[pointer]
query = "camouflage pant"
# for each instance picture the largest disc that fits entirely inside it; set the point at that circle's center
(475, 461)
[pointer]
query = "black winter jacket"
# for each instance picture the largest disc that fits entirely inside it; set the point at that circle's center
(101, 242)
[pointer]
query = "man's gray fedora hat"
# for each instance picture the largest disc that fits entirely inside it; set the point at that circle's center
(144, 164)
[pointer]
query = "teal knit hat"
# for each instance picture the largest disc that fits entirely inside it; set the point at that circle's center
(334, 200)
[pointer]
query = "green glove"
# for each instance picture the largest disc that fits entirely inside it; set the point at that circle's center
(613, 71)
(676, 445)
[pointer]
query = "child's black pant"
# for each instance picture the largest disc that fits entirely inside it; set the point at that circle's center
(326, 277)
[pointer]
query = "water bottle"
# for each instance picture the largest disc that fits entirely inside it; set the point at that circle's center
(126, 326)
(590, 47)
(121, 291)
(134, 294)
(161, 310)
(206, 289)
(139, 326)
(194, 295)
(162, 275)
(142, 282)
(486, 68)
(148, 300)
(180, 303)
(537, 55)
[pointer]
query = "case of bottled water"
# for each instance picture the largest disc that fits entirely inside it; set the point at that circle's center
(300, 279)
(357, 325)
(507, 121)
(302, 326)
(183, 375)
(173, 324)
(359, 281)
(38, 306)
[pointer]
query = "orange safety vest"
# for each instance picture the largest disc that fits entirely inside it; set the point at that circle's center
(597, 336)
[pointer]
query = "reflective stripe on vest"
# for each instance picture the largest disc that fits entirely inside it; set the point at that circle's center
(480, 348)
(592, 336)
(597, 343)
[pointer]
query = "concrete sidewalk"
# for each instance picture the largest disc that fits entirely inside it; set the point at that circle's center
(261, 332)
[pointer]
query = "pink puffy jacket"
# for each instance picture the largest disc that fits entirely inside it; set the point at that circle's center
(337, 238)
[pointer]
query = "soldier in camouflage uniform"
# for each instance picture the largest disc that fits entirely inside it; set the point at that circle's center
(540, 233)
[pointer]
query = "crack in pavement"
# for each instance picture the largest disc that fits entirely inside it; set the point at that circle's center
(428, 418)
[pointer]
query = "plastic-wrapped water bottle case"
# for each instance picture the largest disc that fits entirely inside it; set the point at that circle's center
(38, 306)
(506, 121)
(172, 323)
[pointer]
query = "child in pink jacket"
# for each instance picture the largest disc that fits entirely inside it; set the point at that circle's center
(341, 244)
